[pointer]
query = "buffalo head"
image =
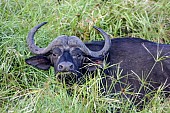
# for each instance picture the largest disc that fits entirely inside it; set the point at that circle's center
(65, 53)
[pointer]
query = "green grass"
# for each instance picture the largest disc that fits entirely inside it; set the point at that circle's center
(26, 89)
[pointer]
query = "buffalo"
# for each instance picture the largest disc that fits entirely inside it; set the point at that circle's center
(134, 62)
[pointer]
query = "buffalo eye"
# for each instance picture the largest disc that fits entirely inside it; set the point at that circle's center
(54, 55)
(56, 52)
(77, 55)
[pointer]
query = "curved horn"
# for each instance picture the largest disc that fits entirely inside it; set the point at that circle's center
(62, 40)
(106, 47)
(30, 40)
(107, 44)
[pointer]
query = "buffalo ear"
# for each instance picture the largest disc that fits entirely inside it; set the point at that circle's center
(40, 62)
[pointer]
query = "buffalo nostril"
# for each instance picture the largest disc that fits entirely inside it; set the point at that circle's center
(71, 67)
(60, 67)
(65, 66)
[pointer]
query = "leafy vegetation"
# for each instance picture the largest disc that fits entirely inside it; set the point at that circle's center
(26, 89)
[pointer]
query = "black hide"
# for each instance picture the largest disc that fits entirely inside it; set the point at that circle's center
(138, 60)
